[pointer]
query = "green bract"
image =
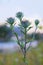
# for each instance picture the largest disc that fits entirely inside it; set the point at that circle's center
(25, 23)
(19, 15)
(10, 20)
(36, 22)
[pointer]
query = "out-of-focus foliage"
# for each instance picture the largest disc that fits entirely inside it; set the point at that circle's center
(34, 57)
(5, 32)
(37, 36)
(40, 27)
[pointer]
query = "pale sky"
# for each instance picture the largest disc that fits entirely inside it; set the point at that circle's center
(30, 8)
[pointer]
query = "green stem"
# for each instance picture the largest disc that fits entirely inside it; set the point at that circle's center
(11, 27)
(34, 33)
(32, 39)
(25, 47)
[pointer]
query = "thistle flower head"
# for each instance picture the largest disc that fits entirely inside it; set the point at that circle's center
(10, 20)
(25, 23)
(19, 15)
(36, 22)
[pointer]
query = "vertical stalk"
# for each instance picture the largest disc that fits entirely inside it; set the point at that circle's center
(25, 47)
(11, 26)
(21, 29)
(34, 33)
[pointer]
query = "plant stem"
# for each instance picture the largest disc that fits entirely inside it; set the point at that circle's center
(34, 33)
(25, 47)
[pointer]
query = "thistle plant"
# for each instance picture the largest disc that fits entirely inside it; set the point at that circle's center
(25, 26)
